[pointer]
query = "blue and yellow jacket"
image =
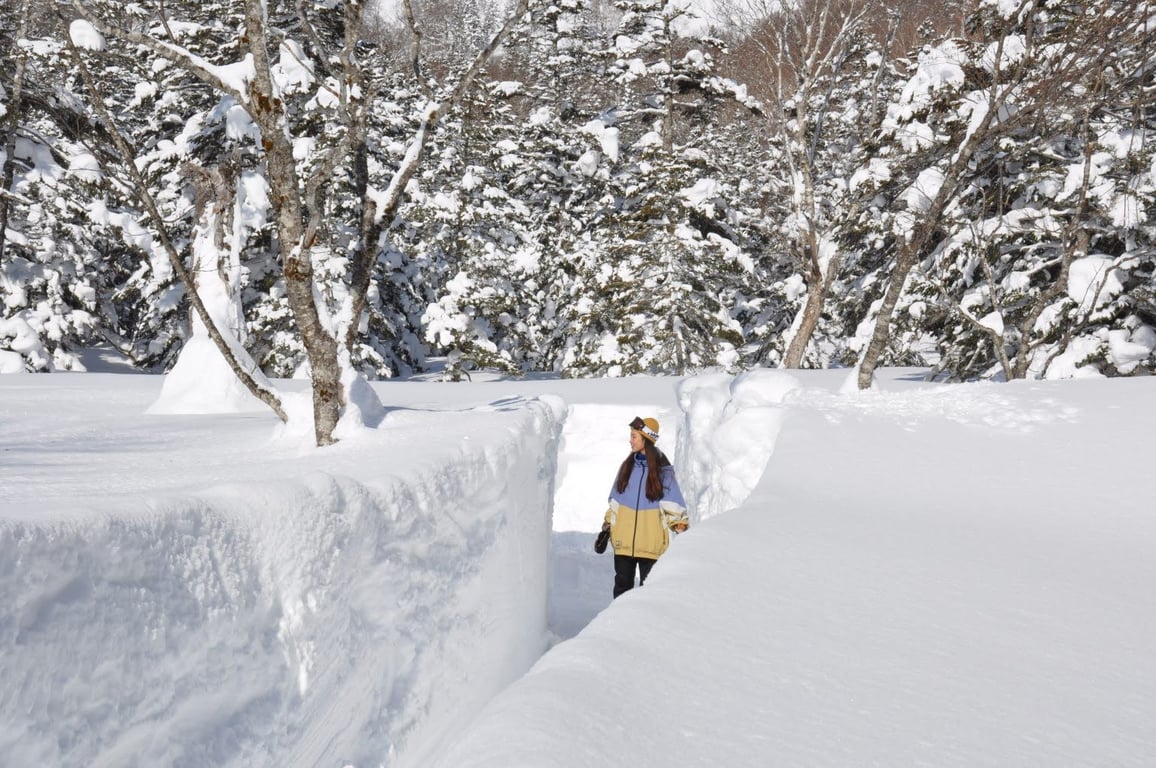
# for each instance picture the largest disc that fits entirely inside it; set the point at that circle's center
(640, 527)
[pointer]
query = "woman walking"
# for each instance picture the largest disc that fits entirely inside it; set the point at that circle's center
(645, 504)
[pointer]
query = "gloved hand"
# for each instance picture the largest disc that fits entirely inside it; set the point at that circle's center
(602, 539)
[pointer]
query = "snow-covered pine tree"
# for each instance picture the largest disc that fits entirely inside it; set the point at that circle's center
(658, 262)
(49, 272)
(1054, 276)
(478, 236)
(566, 94)
(56, 263)
(182, 135)
(462, 224)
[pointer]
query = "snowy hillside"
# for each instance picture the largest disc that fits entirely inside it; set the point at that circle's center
(922, 574)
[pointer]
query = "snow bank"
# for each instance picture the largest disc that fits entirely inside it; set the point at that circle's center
(951, 575)
(729, 424)
(341, 614)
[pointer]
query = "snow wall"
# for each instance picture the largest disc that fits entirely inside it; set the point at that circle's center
(356, 613)
(329, 620)
(729, 426)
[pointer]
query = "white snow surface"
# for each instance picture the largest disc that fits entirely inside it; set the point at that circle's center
(921, 574)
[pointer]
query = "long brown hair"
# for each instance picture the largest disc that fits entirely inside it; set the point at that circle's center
(655, 461)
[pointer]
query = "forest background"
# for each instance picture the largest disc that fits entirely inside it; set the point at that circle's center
(343, 190)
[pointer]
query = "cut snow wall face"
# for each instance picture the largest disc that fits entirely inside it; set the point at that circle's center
(728, 431)
(324, 621)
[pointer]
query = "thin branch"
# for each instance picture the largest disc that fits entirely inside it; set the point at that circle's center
(163, 13)
(312, 34)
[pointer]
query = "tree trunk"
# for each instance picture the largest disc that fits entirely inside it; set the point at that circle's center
(880, 336)
(906, 260)
(268, 112)
(806, 210)
(812, 308)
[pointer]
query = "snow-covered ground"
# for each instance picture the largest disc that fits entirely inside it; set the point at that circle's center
(924, 574)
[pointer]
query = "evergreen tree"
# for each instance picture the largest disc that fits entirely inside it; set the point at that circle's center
(54, 265)
(659, 259)
(480, 239)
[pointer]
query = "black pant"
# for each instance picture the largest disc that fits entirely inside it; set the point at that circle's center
(624, 572)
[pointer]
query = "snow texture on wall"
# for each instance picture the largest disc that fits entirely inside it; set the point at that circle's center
(326, 620)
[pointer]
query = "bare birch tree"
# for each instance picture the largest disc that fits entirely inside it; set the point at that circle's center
(298, 189)
(804, 52)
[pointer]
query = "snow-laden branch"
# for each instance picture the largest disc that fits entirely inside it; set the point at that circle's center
(230, 79)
